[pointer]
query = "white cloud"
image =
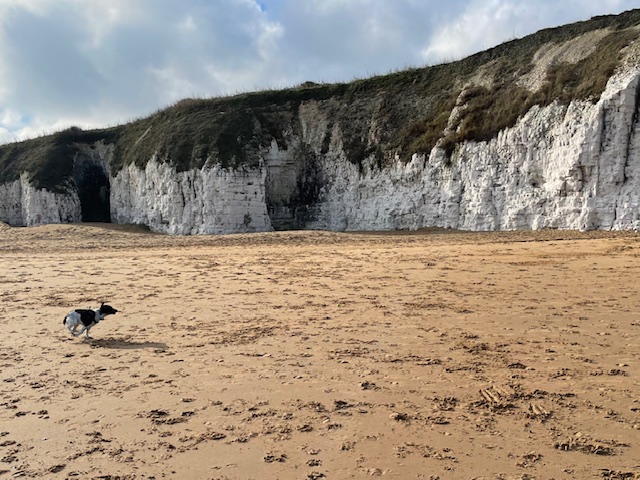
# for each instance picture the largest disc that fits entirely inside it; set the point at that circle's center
(169, 80)
(103, 18)
(10, 118)
(6, 136)
(483, 25)
(188, 24)
(267, 38)
(60, 59)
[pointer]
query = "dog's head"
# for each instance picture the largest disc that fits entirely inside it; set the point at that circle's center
(107, 309)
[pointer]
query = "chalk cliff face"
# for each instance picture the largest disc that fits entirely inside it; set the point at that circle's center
(572, 165)
(206, 201)
(22, 204)
(575, 167)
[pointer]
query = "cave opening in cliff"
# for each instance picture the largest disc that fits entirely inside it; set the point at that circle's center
(292, 187)
(93, 189)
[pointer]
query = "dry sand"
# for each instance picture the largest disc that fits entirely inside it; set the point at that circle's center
(320, 355)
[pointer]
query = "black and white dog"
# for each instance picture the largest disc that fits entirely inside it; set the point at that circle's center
(86, 319)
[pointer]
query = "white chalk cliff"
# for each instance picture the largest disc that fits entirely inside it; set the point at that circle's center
(23, 205)
(574, 166)
(205, 201)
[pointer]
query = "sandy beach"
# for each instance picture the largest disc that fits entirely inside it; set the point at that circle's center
(315, 355)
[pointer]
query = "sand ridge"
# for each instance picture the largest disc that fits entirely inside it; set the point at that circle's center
(310, 355)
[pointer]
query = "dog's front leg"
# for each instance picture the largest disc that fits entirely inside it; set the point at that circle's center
(86, 333)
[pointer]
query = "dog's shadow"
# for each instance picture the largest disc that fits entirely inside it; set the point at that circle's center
(123, 344)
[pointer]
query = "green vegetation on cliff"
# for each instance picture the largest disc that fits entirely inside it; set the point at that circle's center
(382, 117)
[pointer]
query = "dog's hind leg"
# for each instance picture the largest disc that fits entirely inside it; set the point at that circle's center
(75, 331)
(72, 329)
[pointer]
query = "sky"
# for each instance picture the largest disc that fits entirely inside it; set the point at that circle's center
(96, 63)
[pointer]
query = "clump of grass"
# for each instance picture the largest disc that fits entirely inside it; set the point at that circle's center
(588, 78)
(491, 110)
(423, 135)
(48, 159)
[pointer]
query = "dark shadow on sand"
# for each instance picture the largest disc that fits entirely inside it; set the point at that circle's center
(125, 344)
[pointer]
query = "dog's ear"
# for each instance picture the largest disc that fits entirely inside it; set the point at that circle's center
(101, 304)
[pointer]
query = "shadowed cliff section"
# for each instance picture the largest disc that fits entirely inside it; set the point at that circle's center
(371, 122)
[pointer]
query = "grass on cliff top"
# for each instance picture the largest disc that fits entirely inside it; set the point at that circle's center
(488, 110)
(411, 107)
(48, 159)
